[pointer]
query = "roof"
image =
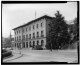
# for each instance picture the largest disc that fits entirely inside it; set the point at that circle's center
(45, 16)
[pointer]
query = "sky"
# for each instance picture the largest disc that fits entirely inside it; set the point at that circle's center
(14, 15)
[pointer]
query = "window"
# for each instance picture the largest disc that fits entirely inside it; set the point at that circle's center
(19, 31)
(37, 42)
(23, 37)
(33, 35)
(37, 34)
(15, 38)
(23, 44)
(15, 33)
(33, 26)
(30, 43)
(41, 24)
(30, 28)
(15, 44)
(37, 25)
(26, 29)
(23, 30)
(42, 34)
(30, 36)
(19, 38)
(27, 44)
(26, 36)
(33, 43)
(42, 42)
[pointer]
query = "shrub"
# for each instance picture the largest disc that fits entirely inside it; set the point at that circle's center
(38, 47)
(6, 53)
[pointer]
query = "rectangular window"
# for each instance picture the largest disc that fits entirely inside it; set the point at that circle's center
(42, 34)
(29, 28)
(41, 24)
(37, 25)
(15, 38)
(23, 30)
(33, 35)
(26, 36)
(26, 29)
(30, 36)
(37, 34)
(23, 37)
(33, 26)
(15, 33)
(19, 31)
(19, 38)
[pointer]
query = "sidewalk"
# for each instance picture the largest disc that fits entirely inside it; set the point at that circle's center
(46, 56)
(16, 55)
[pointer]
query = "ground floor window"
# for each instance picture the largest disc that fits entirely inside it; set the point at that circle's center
(23, 44)
(26, 44)
(33, 43)
(15, 44)
(37, 42)
(42, 42)
(30, 43)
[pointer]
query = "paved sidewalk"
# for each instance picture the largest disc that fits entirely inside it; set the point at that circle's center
(46, 56)
(16, 55)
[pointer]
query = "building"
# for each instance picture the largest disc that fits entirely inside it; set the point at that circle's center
(33, 33)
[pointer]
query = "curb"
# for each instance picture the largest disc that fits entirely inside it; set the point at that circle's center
(14, 58)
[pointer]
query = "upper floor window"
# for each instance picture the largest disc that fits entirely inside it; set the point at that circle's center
(19, 31)
(19, 37)
(23, 37)
(15, 38)
(37, 25)
(30, 28)
(33, 35)
(26, 29)
(41, 24)
(23, 30)
(37, 34)
(33, 26)
(30, 36)
(26, 36)
(15, 33)
(42, 33)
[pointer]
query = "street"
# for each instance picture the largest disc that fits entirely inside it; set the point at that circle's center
(29, 55)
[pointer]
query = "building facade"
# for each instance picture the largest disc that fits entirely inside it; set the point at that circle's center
(33, 33)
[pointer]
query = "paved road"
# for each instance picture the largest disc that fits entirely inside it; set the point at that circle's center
(46, 56)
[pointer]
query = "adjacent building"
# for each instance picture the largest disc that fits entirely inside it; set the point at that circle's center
(32, 33)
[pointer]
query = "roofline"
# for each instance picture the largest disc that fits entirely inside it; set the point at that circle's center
(45, 16)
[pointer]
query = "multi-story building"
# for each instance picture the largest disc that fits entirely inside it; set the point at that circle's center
(33, 33)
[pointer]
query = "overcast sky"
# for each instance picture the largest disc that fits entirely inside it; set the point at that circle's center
(14, 15)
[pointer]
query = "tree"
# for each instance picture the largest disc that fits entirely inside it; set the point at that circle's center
(58, 33)
(7, 43)
(74, 30)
